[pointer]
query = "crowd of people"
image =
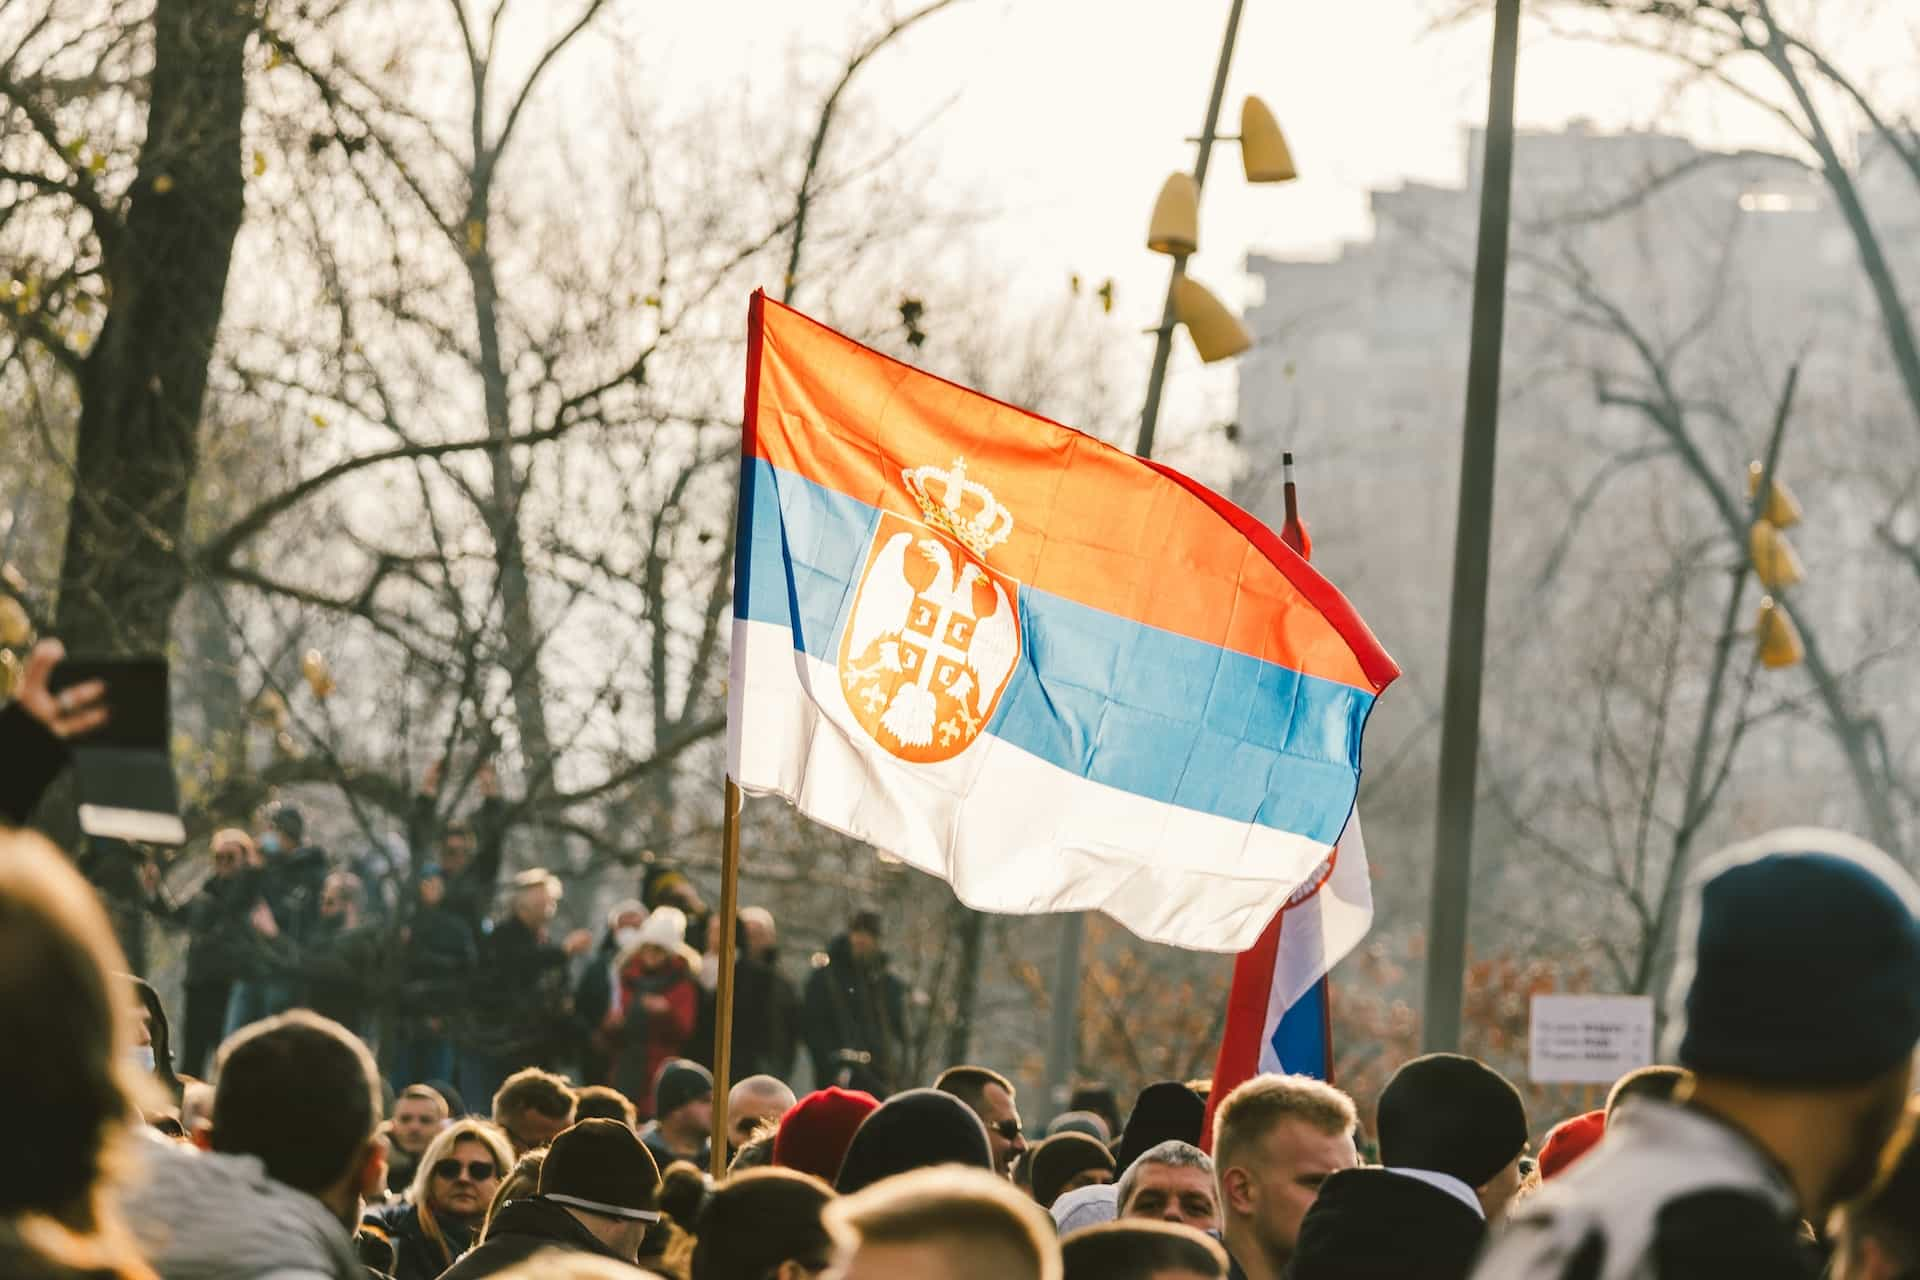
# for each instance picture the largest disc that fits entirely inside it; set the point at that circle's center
(1782, 1141)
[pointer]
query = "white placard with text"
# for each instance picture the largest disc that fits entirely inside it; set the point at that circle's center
(1588, 1039)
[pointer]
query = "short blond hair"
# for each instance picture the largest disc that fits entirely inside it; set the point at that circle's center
(995, 1233)
(1250, 1112)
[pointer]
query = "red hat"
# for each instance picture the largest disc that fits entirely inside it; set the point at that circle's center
(815, 1135)
(1569, 1140)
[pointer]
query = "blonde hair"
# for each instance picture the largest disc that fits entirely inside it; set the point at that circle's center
(1248, 1114)
(569, 1264)
(991, 1231)
(441, 1147)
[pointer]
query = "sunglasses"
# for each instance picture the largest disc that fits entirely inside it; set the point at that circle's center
(477, 1170)
(1008, 1129)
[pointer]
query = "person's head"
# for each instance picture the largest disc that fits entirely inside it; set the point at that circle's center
(815, 1135)
(863, 935)
(917, 1129)
(418, 1114)
(1449, 1114)
(536, 897)
(1172, 1182)
(233, 852)
(456, 847)
(522, 1183)
(683, 1098)
(459, 1174)
(601, 1173)
(533, 1106)
(991, 1096)
(752, 1103)
(433, 885)
(1067, 1162)
(1275, 1140)
(623, 923)
(1168, 1111)
(1100, 1100)
(943, 1224)
(1799, 989)
(282, 828)
(68, 1022)
(152, 1034)
(659, 939)
(663, 886)
(301, 1093)
(1141, 1250)
(762, 936)
(1657, 1083)
(1879, 1233)
(1569, 1140)
(598, 1102)
(683, 1192)
(764, 1224)
(1083, 1122)
(343, 898)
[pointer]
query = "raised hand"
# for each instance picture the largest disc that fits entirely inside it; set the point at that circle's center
(80, 709)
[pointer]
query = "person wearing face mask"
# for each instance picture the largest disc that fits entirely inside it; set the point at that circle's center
(593, 994)
(284, 918)
(153, 1039)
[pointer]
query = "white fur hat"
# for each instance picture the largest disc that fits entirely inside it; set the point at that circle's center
(666, 928)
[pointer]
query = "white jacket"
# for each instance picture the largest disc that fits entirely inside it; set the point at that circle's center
(214, 1217)
(1653, 1154)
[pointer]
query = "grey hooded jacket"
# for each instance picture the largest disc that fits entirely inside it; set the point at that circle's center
(218, 1217)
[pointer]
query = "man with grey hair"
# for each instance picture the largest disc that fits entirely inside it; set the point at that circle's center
(755, 1101)
(1172, 1182)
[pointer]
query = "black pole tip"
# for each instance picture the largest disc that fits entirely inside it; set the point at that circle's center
(1286, 459)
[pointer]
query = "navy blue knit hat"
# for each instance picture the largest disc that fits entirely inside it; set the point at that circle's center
(680, 1081)
(1800, 963)
(917, 1129)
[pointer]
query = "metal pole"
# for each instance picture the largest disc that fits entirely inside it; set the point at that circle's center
(1163, 338)
(1062, 1041)
(723, 999)
(1467, 627)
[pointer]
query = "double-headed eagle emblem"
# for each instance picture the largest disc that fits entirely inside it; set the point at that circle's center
(934, 632)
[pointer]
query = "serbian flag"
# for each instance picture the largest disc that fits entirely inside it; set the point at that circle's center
(1280, 1011)
(1057, 676)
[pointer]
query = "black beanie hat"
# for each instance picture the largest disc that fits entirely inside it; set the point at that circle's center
(913, 1130)
(600, 1166)
(1805, 963)
(679, 1083)
(1448, 1114)
(1063, 1157)
(1164, 1112)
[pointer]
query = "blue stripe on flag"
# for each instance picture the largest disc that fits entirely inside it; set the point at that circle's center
(1300, 1041)
(1121, 703)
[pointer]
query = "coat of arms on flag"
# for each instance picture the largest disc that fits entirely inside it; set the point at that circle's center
(934, 632)
(1057, 676)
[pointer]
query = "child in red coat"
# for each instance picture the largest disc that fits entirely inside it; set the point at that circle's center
(654, 1007)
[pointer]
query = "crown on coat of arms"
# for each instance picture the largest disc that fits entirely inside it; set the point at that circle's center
(964, 508)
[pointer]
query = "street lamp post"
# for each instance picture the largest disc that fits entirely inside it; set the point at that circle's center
(1217, 334)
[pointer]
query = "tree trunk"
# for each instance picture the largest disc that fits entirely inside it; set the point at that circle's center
(969, 924)
(142, 385)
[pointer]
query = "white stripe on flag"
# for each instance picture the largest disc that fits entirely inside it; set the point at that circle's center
(1318, 934)
(1025, 835)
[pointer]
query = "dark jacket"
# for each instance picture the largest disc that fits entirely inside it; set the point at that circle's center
(441, 962)
(292, 882)
(1672, 1192)
(34, 758)
(592, 998)
(220, 938)
(521, 1229)
(766, 1020)
(339, 965)
(1375, 1224)
(416, 1255)
(524, 1002)
(855, 1007)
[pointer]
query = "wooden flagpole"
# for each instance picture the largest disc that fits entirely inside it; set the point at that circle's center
(723, 1012)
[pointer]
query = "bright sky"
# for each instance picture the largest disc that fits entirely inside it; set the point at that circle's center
(1063, 117)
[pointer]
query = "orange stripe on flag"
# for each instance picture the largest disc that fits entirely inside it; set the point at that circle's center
(1093, 524)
